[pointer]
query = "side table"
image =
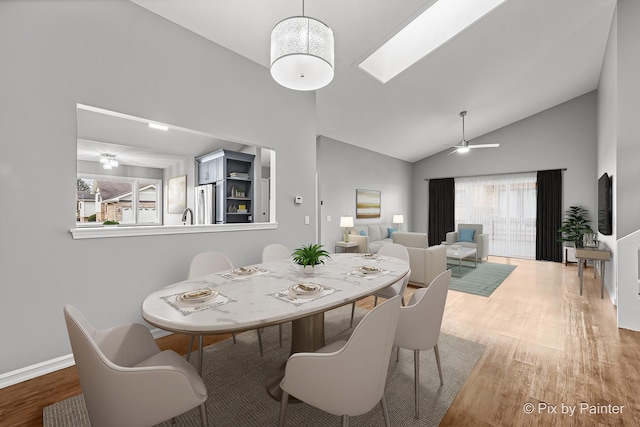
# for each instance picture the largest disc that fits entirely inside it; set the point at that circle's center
(346, 246)
(599, 254)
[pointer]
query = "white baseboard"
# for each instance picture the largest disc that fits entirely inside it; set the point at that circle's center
(49, 366)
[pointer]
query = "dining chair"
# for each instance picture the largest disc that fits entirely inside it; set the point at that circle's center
(202, 264)
(125, 378)
(274, 252)
(346, 378)
(394, 250)
(419, 325)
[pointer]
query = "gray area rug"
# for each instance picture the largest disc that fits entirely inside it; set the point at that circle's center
(235, 376)
(482, 280)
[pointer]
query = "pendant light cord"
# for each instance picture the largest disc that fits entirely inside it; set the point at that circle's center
(302, 7)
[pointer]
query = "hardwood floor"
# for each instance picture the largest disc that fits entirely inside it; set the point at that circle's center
(546, 345)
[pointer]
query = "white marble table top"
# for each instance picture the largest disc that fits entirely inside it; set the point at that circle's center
(262, 298)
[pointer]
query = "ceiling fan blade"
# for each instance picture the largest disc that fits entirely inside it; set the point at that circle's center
(484, 145)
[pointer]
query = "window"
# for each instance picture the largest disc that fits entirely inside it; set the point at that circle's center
(130, 201)
(505, 205)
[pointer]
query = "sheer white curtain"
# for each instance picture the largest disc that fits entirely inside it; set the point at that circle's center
(505, 205)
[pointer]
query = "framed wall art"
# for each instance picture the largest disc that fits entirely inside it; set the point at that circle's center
(367, 203)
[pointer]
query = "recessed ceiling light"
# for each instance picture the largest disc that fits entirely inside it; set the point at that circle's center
(430, 30)
(157, 126)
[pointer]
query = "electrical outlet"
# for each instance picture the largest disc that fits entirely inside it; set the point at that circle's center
(328, 218)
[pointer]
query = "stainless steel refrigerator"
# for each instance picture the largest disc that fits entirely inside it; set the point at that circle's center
(205, 204)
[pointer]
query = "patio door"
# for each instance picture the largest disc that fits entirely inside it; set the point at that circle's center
(505, 205)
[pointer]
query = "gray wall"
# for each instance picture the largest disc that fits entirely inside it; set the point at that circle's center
(564, 136)
(343, 168)
(619, 153)
(628, 93)
(115, 55)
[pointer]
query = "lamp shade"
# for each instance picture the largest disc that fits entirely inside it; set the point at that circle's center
(346, 221)
(302, 53)
(398, 219)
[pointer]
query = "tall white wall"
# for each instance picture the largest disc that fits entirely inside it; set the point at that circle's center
(607, 147)
(115, 55)
(343, 168)
(564, 136)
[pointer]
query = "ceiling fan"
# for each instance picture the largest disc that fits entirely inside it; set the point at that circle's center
(463, 146)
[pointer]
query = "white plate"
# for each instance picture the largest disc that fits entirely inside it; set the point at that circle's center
(365, 269)
(306, 289)
(197, 295)
(244, 271)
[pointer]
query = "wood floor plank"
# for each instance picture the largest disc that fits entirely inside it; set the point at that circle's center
(546, 344)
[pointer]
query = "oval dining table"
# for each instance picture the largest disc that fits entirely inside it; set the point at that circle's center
(264, 294)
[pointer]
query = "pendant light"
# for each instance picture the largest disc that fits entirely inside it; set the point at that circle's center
(302, 54)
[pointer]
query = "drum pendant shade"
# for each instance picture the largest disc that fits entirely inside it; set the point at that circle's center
(302, 54)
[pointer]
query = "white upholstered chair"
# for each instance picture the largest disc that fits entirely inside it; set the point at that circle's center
(346, 378)
(125, 378)
(397, 251)
(394, 250)
(470, 236)
(419, 325)
(207, 263)
(274, 252)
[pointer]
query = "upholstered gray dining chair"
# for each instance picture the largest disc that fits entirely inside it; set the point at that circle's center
(346, 378)
(419, 325)
(125, 378)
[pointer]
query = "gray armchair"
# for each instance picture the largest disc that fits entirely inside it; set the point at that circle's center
(480, 240)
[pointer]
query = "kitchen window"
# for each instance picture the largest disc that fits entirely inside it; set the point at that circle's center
(125, 200)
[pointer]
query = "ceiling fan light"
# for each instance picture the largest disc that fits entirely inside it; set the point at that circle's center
(302, 53)
(463, 150)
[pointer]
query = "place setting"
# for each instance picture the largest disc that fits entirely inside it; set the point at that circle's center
(303, 292)
(371, 257)
(196, 300)
(244, 273)
(368, 272)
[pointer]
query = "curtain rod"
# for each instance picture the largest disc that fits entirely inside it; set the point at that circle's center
(495, 174)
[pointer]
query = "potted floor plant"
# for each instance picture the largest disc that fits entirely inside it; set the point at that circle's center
(574, 226)
(310, 256)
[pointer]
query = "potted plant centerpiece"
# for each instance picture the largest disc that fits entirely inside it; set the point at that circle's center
(574, 226)
(309, 256)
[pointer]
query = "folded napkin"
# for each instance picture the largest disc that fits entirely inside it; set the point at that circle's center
(290, 297)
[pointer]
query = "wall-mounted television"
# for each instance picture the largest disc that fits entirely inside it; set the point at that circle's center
(604, 204)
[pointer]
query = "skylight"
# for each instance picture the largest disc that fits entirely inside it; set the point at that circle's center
(434, 27)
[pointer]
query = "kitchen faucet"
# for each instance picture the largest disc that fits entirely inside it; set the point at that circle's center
(184, 216)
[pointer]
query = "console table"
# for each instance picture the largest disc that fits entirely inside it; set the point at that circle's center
(600, 253)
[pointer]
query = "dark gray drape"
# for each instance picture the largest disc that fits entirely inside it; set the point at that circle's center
(549, 216)
(442, 195)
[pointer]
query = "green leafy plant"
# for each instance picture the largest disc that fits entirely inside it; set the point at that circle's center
(575, 224)
(110, 223)
(310, 255)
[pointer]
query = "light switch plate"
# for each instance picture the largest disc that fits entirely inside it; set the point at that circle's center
(306, 219)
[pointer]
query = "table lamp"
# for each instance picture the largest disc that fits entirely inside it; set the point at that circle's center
(346, 222)
(398, 219)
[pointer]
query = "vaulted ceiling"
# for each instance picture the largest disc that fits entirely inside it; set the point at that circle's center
(522, 58)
